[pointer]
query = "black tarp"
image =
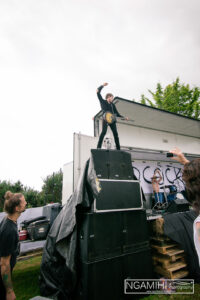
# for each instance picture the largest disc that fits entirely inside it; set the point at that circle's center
(179, 227)
(58, 276)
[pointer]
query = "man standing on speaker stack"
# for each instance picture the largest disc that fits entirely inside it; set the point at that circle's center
(108, 106)
(191, 176)
(14, 205)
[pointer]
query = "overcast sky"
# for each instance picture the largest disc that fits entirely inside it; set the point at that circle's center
(54, 54)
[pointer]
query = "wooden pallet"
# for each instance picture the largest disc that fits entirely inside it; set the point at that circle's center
(160, 240)
(167, 249)
(178, 270)
(166, 261)
(168, 258)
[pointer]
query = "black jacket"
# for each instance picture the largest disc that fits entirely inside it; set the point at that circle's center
(105, 106)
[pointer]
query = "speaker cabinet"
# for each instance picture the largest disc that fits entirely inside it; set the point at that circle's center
(105, 235)
(112, 164)
(178, 205)
(118, 195)
(104, 279)
(135, 230)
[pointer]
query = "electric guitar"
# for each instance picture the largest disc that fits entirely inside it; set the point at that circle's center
(112, 118)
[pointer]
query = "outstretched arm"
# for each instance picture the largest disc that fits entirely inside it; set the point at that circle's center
(118, 114)
(99, 91)
(179, 156)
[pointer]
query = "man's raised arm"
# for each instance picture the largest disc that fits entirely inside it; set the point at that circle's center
(99, 91)
(179, 156)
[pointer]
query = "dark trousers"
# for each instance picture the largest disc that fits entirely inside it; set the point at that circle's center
(103, 133)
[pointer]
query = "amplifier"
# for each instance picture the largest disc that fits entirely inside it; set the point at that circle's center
(178, 205)
(104, 279)
(112, 164)
(110, 234)
(117, 195)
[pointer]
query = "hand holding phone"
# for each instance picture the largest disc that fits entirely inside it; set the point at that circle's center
(169, 154)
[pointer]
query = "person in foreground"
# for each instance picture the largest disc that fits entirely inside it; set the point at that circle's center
(191, 176)
(108, 106)
(14, 205)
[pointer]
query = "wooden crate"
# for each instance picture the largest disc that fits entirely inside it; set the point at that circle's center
(160, 240)
(168, 261)
(178, 270)
(169, 249)
(168, 258)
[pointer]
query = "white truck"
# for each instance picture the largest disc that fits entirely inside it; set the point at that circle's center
(148, 135)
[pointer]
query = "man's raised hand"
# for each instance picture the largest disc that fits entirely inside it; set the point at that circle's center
(179, 156)
(105, 84)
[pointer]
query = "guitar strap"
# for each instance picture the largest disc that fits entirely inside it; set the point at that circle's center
(112, 108)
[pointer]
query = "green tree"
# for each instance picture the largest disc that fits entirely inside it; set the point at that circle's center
(176, 97)
(51, 191)
(52, 187)
(33, 197)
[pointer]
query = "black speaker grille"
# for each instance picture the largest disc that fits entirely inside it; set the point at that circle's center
(118, 195)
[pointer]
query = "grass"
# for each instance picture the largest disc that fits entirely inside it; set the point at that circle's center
(25, 280)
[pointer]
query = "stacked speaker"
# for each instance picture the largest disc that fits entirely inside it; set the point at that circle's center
(113, 235)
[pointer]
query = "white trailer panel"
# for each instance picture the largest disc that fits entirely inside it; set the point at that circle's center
(82, 146)
(138, 137)
(67, 187)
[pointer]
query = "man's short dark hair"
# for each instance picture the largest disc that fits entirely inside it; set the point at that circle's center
(109, 95)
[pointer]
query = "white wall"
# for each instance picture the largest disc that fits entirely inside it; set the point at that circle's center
(67, 187)
(72, 171)
(82, 146)
(137, 137)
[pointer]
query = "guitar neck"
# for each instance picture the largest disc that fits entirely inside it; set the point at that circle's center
(124, 119)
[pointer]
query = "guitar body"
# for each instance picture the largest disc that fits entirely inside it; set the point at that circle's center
(109, 117)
